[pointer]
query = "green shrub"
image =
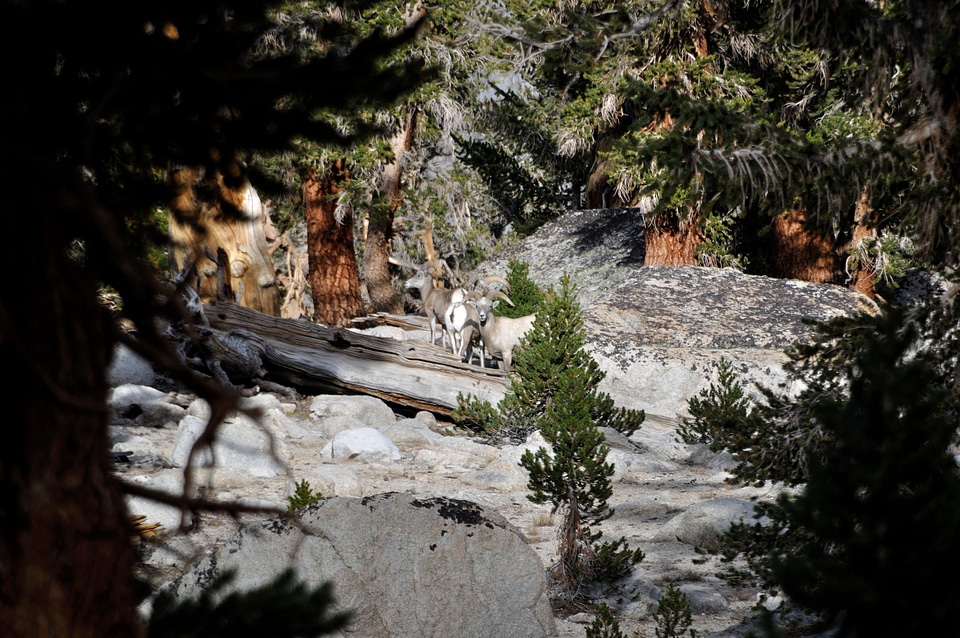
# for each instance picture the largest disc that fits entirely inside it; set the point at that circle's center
(554, 389)
(868, 444)
(604, 624)
(673, 615)
(281, 608)
(881, 508)
(303, 495)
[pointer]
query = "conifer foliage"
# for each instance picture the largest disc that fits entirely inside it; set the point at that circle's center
(575, 476)
(878, 504)
(554, 345)
(284, 607)
(524, 292)
(555, 390)
(882, 505)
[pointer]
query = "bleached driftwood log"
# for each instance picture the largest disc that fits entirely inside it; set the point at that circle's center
(312, 357)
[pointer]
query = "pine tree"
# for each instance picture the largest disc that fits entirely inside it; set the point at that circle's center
(575, 477)
(868, 443)
(554, 344)
(525, 294)
(555, 389)
(557, 343)
(881, 509)
(673, 614)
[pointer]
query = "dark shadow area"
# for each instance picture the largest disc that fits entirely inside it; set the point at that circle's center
(620, 229)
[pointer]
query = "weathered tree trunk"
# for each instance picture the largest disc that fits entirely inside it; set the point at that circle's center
(670, 242)
(333, 261)
(799, 253)
(223, 211)
(65, 545)
(597, 191)
(863, 276)
(426, 238)
(305, 355)
(376, 255)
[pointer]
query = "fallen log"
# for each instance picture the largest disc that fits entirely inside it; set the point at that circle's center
(311, 357)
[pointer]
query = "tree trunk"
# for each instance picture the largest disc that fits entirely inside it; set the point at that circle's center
(863, 276)
(671, 242)
(799, 253)
(66, 557)
(413, 373)
(217, 211)
(333, 261)
(376, 255)
(598, 192)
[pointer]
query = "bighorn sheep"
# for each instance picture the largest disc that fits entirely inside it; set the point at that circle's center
(501, 335)
(462, 321)
(435, 300)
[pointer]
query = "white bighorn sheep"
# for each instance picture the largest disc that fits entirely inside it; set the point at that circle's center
(501, 335)
(463, 322)
(435, 300)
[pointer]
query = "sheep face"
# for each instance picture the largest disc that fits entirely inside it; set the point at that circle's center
(418, 280)
(484, 306)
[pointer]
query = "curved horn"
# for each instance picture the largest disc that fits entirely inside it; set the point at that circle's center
(499, 294)
(402, 262)
(495, 279)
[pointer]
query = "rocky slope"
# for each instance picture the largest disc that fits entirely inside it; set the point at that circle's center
(657, 334)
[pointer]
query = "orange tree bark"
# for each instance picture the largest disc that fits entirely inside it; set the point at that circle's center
(334, 279)
(376, 263)
(802, 253)
(66, 557)
(670, 242)
(863, 278)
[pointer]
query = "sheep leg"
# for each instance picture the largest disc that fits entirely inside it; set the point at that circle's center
(457, 339)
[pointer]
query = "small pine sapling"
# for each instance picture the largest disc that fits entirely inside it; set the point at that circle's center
(476, 415)
(716, 410)
(673, 615)
(303, 495)
(576, 479)
(555, 389)
(555, 343)
(604, 624)
(772, 440)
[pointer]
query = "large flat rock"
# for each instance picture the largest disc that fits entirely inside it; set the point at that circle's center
(658, 332)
